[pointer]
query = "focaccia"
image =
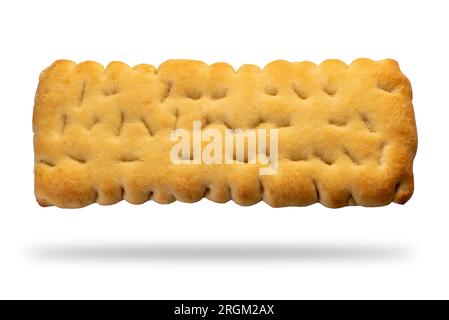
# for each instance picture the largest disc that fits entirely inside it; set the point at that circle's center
(346, 133)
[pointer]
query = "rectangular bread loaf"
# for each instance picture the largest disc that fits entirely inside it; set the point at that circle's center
(346, 134)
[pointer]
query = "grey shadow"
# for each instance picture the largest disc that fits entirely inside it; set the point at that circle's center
(215, 252)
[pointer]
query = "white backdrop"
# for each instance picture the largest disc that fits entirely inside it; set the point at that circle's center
(208, 250)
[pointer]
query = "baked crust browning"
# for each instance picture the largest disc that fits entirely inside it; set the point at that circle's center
(347, 133)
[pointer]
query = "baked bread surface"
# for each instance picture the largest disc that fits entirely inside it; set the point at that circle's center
(347, 133)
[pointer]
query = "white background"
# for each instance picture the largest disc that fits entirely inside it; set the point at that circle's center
(208, 250)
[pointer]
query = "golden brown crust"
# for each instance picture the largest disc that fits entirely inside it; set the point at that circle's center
(347, 133)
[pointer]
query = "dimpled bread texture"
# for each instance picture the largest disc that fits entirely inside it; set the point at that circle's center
(347, 133)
